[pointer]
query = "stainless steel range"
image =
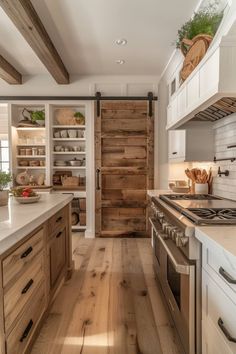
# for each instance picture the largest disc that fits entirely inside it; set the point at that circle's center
(177, 255)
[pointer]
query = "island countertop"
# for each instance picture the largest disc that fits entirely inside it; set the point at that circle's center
(18, 220)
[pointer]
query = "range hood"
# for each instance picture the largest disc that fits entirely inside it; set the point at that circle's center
(209, 93)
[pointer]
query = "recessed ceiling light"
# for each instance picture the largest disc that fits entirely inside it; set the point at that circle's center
(120, 61)
(121, 41)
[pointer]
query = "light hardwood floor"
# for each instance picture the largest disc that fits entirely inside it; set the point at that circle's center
(111, 305)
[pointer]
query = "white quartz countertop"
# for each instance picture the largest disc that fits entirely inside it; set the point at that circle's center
(218, 236)
(18, 220)
(157, 192)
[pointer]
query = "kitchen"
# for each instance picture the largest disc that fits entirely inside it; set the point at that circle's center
(117, 176)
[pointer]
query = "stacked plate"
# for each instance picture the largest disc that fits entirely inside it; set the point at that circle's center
(60, 163)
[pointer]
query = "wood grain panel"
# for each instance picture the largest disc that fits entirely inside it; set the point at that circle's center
(123, 182)
(124, 159)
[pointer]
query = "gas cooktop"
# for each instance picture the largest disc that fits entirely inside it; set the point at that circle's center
(203, 208)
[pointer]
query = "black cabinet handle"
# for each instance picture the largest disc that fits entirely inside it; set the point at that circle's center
(27, 252)
(98, 179)
(26, 331)
(174, 153)
(28, 285)
(227, 276)
(59, 234)
(59, 219)
(225, 331)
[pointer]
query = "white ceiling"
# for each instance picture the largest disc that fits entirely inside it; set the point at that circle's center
(84, 32)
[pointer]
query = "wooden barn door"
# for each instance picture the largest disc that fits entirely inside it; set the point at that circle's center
(124, 168)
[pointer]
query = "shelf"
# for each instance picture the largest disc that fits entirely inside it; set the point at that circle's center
(71, 188)
(30, 168)
(70, 126)
(69, 167)
(30, 128)
(43, 144)
(69, 153)
(69, 139)
(31, 156)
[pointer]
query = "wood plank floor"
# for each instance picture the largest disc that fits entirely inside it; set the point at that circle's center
(111, 305)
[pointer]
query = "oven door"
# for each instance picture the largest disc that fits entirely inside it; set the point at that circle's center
(177, 278)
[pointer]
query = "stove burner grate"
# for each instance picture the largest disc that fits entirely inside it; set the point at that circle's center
(214, 214)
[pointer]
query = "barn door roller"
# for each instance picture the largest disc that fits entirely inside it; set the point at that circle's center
(150, 98)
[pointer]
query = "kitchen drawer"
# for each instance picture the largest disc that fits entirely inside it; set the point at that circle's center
(212, 341)
(22, 256)
(222, 268)
(21, 334)
(57, 221)
(17, 296)
(219, 308)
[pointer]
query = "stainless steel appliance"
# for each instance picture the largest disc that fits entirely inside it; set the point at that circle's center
(177, 255)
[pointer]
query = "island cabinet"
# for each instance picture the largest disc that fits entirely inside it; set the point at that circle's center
(31, 273)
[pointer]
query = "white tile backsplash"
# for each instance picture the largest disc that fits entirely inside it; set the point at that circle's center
(225, 134)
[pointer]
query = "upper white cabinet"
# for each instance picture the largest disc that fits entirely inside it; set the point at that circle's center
(213, 79)
(195, 143)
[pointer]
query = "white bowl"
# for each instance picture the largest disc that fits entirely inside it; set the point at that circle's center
(25, 200)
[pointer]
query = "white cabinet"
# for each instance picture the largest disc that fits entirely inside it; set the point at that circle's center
(172, 111)
(195, 143)
(218, 319)
(177, 141)
(181, 102)
(209, 76)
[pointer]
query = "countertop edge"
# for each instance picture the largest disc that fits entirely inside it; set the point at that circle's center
(24, 231)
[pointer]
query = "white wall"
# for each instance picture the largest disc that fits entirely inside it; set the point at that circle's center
(3, 121)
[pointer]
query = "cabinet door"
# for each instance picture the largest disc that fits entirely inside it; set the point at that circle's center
(57, 255)
(177, 142)
(181, 103)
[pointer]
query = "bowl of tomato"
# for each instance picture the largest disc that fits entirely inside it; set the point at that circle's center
(25, 195)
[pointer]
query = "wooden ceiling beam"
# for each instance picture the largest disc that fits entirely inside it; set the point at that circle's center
(27, 21)
(9, 73)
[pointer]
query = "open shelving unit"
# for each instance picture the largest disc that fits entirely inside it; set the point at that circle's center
(39, 138)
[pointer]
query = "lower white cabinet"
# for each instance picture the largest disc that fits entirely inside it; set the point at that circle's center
(195, 143)
(218, 319)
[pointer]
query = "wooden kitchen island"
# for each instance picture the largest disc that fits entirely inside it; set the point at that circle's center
(35, 259)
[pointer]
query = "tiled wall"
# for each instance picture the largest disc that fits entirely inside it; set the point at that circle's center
(225, 135)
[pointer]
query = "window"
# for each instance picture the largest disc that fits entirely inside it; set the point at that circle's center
(4, 155)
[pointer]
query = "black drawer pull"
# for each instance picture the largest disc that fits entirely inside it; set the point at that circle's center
(225, 331)
(28, 285)
(59, 234)
(27, 252)
(26, 331)
(59, 219)
(174, 153)
(227, 276)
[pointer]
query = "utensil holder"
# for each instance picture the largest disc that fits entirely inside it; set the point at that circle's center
(201, 188)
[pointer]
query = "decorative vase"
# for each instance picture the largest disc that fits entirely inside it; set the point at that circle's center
(3, 198)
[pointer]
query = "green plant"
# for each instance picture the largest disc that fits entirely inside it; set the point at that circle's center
(205, 21)
(37, 115)
(78, 115)
(5, 179)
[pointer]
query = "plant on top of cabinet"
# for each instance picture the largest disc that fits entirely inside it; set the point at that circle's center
(32, 118)
(69, 116)
(195, 36)
(5, 179)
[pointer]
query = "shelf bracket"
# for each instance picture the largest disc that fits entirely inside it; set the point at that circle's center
(98, 98)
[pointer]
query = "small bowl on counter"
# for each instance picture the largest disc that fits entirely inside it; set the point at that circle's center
(25, 195)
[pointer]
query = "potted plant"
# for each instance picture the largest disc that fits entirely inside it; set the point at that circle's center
(38, 117)
(195, 36)
(5, 179)
(32, 118)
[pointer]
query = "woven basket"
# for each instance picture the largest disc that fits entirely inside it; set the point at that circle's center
(70, 181)
(193, 50)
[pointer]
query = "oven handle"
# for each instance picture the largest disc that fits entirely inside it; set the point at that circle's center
(180, 263)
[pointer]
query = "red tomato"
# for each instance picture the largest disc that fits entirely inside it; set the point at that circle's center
(25, 194)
